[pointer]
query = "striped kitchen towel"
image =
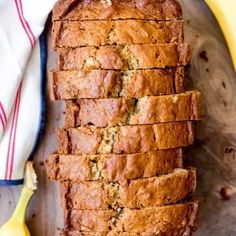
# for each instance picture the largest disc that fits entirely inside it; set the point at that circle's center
(22, 70)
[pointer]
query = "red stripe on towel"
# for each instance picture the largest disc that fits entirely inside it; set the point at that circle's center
(2, 121)
(15, 130)
(24, 24)
(3, 116)
(11, 144)
(10, 138)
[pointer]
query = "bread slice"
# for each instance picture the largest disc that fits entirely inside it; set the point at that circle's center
(187, 231)
(113, 83)
(124, 139)
(134, 194)
(117, 9)
(127, 57)
(128, 111)
(97, 33)
(149, 220)
(113, 167)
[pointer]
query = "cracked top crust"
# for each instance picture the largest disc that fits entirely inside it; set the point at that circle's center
(117, 9)
(111, 83)
(113, 167)
(146, 110)
(140, 193)
(126, 57)
(125, 139)
(98, 33)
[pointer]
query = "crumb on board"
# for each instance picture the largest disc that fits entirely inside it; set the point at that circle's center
(203, 55)
(224, 193)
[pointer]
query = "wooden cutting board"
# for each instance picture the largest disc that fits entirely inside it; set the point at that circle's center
(214, 153)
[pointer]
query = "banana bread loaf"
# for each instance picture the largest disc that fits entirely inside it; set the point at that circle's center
(113, 167)
(146, 110)
(97, 33)
(113, 83)
(126, 57)
(119, 156)
(124, 139)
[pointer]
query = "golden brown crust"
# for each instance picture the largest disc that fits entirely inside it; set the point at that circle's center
(98, 33)
(127, 57)
(121, 111)
(156, 191)
(150, 220)
(187, 231)
(113, 167)
(125, 139)
(119, 9)
(111, 83)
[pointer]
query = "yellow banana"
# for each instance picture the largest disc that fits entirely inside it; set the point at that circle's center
(224, 11)
(16, 226)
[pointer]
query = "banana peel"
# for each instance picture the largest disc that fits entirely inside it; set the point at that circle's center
(16, 226)
(224, 11)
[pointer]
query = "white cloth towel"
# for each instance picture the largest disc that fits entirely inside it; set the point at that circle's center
(21, 24)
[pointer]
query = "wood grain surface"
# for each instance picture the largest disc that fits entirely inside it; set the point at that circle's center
(214, 153)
